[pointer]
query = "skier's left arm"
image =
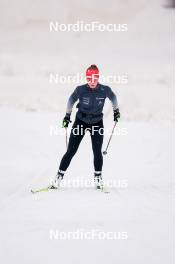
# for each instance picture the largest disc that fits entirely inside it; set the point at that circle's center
(113, 98)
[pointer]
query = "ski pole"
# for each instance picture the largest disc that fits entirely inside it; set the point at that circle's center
(105, 151)
(66, 137)
(67, 134)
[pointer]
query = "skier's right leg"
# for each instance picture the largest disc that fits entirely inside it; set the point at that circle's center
(77, 134)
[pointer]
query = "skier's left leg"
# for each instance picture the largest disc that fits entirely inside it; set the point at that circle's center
(97, 141)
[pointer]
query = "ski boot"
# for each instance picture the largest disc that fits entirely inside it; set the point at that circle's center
(55, 183)
(98, 180)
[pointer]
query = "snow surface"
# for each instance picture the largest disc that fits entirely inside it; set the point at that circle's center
(143, 157)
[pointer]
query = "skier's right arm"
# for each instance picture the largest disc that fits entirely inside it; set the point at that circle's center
(72, 99)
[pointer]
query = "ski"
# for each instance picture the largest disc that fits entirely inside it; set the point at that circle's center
(47, 189)
(102, 189)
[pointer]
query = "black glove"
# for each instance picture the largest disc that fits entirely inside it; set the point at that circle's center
(116, 115)
(66, 120)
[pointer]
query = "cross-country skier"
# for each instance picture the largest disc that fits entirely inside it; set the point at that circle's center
(89, 117)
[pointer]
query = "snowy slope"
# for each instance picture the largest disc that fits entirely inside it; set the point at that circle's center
(29, 53)
(142, 157)
(144, 209)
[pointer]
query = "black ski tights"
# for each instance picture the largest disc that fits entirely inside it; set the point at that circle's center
(77, 133)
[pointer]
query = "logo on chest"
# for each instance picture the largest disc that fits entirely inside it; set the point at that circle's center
(86, 100)
(100, 100)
